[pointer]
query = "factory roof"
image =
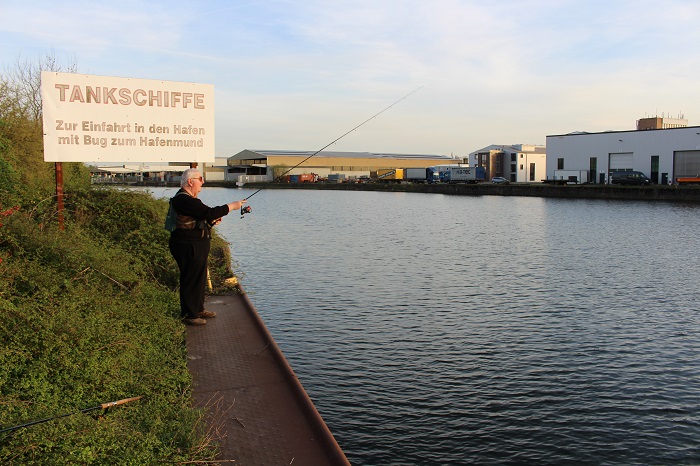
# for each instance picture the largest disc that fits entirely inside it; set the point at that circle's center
(256, 153)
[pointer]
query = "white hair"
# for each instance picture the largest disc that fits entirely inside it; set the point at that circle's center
(187, 174)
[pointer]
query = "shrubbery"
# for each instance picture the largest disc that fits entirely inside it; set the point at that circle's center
(89, 315)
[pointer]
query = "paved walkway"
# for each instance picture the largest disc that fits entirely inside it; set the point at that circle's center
(257, 408)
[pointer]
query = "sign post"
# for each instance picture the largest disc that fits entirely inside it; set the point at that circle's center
(59, 193)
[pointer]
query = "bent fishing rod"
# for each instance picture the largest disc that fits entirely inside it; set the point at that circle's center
(104, 406)
(245, 210)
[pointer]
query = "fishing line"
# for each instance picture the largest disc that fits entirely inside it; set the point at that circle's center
(335, 140)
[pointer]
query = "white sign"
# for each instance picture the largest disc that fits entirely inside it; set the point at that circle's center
(91, 118)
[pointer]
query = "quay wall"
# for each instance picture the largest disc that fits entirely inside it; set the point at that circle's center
(689, 194)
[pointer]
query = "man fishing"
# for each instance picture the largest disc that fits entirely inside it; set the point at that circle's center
(190, 242)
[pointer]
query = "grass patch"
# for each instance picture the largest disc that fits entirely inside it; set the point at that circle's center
(90, 315)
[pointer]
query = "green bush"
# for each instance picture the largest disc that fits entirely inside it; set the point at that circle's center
(90, 316)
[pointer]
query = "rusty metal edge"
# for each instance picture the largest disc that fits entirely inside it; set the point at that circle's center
(330, 444)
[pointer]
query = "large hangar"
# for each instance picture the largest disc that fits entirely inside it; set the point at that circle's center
(664, 155)
(352, 164)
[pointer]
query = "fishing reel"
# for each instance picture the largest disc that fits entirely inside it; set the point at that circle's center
(245, 210)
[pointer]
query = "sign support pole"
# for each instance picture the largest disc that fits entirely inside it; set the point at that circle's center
(59, 193)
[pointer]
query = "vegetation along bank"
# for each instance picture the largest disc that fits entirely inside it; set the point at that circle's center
(89, 313)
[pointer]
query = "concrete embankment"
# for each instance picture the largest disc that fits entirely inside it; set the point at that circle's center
(593, 191)
(257, 410)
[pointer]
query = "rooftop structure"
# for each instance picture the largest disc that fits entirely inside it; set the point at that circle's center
(661, 122)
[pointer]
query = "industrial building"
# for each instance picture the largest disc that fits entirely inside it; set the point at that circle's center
(136, 173)
(154, 173)
(518, 163)
(274, 163)
(663, 154)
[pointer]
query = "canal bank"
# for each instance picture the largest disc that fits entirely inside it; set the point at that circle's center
(257, 410)
(591, 191)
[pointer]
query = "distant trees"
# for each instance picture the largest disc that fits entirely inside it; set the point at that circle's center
(23, 83)
(23, 171)
(278, 171)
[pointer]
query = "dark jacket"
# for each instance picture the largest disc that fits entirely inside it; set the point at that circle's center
(194, 218)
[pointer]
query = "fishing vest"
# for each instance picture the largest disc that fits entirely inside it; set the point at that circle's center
(184, 222)
(175, 221)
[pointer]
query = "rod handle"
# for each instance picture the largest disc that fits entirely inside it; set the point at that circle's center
(119, 402)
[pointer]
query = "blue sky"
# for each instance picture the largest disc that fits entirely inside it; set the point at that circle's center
(298, 74)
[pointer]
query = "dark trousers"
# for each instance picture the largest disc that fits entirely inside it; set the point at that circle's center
(191, 256)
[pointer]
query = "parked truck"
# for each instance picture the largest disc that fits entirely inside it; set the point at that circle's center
(390, 175)
(455, 174)
(301, 178)
(438, 173)
(336, 178)
(432, 174)
(464, 174)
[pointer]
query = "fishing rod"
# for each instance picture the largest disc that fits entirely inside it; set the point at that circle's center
(104, 406)
(246, 209)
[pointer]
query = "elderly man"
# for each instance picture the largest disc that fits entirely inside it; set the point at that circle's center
(190, 242)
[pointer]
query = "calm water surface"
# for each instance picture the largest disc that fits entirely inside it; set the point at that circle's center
(440, 330)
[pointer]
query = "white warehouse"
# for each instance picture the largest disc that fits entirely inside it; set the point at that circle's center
(661, 154)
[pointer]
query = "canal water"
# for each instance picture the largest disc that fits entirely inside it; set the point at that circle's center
(449, 330)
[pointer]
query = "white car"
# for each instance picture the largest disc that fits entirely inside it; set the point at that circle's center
(499, 179)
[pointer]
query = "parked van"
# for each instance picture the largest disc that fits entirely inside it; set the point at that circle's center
(628, 177)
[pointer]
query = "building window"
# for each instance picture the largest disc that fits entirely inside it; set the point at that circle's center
(532, 172)
(560, 164)
(513, 157)
(522, 166)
